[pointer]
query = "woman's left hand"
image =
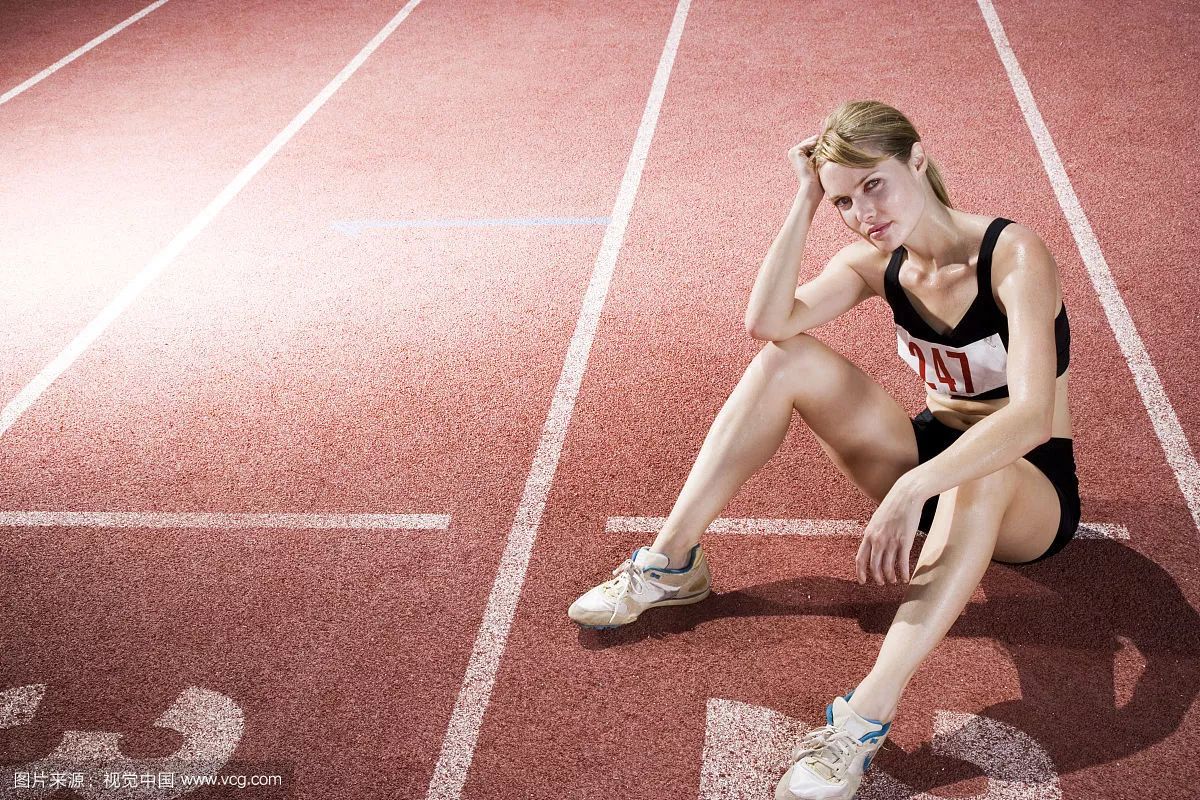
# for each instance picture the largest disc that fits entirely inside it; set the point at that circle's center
(888, 538)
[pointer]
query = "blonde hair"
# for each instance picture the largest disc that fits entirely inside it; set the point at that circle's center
(869, 123)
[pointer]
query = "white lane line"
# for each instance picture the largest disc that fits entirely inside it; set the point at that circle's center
(1162, 415)
(67, 59)
(353, 227)
(769, 527)
(143, 519)
(27, 396)
(1102, 530)
(814, 527)
(462, 732)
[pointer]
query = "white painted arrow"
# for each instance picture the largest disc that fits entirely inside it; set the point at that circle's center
(210, 722)
(746, 749)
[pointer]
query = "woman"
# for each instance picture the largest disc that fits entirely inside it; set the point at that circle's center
(987, 469)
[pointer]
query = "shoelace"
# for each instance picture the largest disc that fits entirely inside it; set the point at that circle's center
(630, 577)
(830, 749)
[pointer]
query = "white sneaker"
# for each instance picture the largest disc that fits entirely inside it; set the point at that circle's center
(642, 582)
(829, 762)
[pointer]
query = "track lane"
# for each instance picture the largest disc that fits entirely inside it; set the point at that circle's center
(1112, 83)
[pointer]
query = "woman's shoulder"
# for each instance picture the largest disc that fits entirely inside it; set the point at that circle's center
(1014, 234)
(1020, 248)
(864, 257)
(868, 261)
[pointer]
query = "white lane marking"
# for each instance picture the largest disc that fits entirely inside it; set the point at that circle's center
(353, 227)
(749, 525)
(814, 527)
(144, 519)
(1102, 530)
(27, 396)
(67, 59)
(17, 706)
(462, 732)
(747, 751)
(1162, 415)
(211, 725)
(1128, 670)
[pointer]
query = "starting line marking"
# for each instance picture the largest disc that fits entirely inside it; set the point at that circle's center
(353, 227)
(815, 527)
(67, 59)
(143, 519)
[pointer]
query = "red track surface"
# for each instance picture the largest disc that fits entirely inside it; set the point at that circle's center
(279, 365)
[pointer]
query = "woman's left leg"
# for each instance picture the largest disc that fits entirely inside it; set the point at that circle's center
(1010, 515)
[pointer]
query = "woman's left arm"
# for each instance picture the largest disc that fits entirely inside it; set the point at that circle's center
(1028, 286)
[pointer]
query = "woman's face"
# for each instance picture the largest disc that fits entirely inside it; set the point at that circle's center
(890, 194)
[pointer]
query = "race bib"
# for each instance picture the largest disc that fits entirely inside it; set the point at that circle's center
(965, 371)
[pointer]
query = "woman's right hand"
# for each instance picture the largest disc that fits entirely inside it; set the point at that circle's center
(810, 184)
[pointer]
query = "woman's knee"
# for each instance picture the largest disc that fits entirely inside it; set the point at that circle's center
(797, 355)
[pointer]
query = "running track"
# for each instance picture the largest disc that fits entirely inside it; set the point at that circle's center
(352, 333)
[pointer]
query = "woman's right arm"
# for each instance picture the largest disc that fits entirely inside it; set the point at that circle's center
(778, 310)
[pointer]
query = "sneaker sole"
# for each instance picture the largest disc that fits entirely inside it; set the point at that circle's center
(677, 601)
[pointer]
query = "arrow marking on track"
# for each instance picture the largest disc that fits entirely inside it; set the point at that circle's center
(746, 748)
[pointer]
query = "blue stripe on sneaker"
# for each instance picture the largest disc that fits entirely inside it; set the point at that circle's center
(873, 721)
(691, 562)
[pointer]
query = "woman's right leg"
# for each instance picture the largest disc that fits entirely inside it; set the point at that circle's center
(864, 431)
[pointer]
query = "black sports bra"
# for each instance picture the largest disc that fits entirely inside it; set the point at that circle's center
(968, 362)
